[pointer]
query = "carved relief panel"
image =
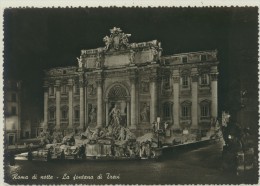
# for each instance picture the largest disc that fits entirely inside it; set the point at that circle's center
(92, 89)
(144, 84)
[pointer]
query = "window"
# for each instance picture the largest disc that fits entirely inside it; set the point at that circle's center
(203, 57)
(204, 111)
(51, 114)
(167, 110)
(64, 114)
(51, 91)
(185, 59)
(13, 110)
(205, 108)
(186, 110)
(14, 97)
(63, 89)
(185, 81)
(204, 79)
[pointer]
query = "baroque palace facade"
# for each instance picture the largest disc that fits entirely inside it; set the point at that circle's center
(137, 82)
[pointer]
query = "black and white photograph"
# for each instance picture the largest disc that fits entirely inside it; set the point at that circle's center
(130, 95)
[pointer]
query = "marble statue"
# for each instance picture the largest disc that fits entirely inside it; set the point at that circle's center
(98, 61)
(132, 57)
(122, 134)
(155, 53)
(108, 42)
(80, 61)
(92, 115)
(116, 116)
(124, 39)
(145, 113)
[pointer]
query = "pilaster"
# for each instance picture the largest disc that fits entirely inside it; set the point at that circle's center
(99, 82)
(46, 97)
(70, 85)
(176, 100)
(214, 91)
(57, 87)
(81, 104)
(133, 101)
(194, 98)
(153, 101)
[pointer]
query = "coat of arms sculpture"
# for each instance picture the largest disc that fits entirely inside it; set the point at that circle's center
(117, 40)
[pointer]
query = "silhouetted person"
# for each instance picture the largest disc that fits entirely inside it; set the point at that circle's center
(49, 155)
(30, 155)
(81, 151)
(62, 156)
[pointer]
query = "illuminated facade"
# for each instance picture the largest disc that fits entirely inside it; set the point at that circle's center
(136, 79)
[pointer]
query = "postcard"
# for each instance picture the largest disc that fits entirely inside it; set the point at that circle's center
(130, 95)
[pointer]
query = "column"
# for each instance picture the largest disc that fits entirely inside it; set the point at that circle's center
(86, 103)
(99, 102)
(70, 85)
(107, 109)
(46, 95)
(128, 114)
(194, 98)
(81, 104)
(133, 101)
(153, 101)
(176, 89)
(57, 86)
(214, 91)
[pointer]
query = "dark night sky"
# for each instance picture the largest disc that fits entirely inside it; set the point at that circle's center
(37, 39)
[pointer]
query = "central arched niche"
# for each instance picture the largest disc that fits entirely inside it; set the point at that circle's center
(117, 92)
(118, 96)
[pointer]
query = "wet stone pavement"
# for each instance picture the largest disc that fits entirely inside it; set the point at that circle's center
(190, 166)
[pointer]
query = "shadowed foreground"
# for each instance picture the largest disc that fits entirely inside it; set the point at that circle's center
(189, 166)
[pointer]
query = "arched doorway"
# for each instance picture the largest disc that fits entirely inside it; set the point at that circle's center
(117, 105)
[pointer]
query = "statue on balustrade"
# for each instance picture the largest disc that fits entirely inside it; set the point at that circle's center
(108, 42)
(80, 61)
(132, 56)
(124, 39)
(98, 60)
(155, 54)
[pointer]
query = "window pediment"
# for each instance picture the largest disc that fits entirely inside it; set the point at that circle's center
(185, 72)
(52, 108)
(186, 103)
(65, 107)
